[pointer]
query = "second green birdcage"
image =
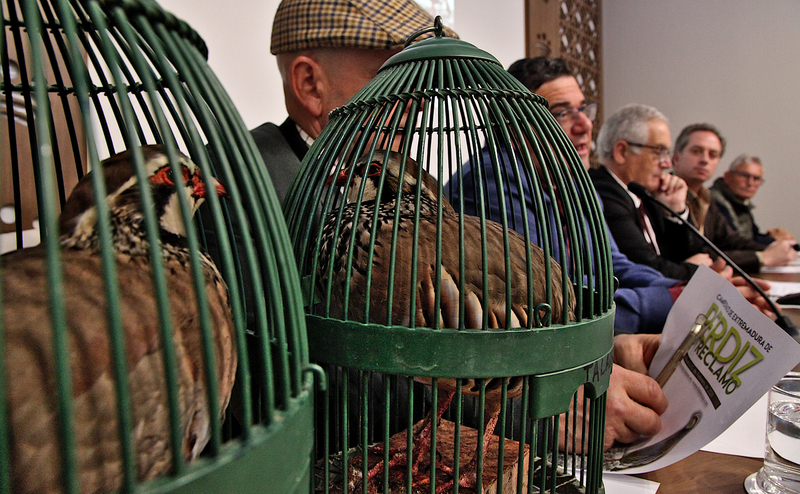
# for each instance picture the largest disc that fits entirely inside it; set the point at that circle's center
(458, 285)
(133, 314)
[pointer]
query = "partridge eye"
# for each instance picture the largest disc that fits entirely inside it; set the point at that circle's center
(163, 176)
(374, 169)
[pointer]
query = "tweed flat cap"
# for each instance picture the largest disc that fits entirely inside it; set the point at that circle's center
(375, 24)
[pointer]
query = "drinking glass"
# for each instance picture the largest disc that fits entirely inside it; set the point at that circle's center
(781, 471)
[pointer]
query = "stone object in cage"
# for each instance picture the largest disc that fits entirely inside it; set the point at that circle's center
(30, 366)
(333, 262)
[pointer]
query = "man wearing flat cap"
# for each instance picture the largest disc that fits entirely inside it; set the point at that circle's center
(326, 52)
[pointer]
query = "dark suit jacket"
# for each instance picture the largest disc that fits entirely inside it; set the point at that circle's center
(740, 249)
(627, 228)
(282, 149)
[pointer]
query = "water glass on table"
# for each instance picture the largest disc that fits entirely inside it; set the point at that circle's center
(781, 471)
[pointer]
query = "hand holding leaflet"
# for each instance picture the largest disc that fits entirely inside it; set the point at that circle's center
(735, 358)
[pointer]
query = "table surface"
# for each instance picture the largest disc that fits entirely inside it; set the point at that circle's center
(715, 473)
(705, 473)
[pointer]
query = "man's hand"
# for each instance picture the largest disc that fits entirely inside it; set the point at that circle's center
(779, 253)
(672, 192)
(633, 408)
(635, 351)
(780, 234)
(635, 401)
(700, 258)
(752, 295)
(719, 265)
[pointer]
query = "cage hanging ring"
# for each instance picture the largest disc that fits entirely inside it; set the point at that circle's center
(437, 29)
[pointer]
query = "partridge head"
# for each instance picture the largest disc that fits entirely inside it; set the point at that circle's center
(78, 219)
(28, 332)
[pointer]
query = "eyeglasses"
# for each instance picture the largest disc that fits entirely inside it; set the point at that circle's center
(747, 177)
(660, 151)
(568, 115)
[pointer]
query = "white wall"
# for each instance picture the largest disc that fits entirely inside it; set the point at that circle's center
(237, 33)
(732, 63)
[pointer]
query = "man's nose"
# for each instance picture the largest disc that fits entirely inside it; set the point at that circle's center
(582, 123)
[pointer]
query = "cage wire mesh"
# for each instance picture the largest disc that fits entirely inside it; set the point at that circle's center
(126, 333)
(454, 261)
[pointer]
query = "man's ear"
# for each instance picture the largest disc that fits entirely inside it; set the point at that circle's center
(619, 150)
(307, 84)
(676, 158)
(727, 177)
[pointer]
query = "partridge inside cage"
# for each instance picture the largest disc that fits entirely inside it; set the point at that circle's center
(458, 284)
(132, 321)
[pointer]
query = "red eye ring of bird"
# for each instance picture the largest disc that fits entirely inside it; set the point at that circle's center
(374, 170)
(164, 175)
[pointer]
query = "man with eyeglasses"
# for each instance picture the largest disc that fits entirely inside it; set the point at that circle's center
(698, 150)
(733, 193)
(633, 146)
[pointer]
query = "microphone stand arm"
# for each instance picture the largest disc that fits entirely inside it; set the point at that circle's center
(781, 320)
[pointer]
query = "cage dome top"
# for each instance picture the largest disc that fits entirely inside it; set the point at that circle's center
(419, 194)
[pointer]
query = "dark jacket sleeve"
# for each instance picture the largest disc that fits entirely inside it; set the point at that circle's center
(741, 250)
(641, 310)
(643, 299)
(625, 226)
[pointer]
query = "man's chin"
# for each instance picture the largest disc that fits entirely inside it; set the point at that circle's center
(584, 157)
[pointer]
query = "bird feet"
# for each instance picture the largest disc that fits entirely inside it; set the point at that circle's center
(398, 458)
(420, 469)
(468, 478)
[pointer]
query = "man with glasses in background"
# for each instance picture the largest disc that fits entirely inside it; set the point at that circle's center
(633, 146)
(733, 193)
(698, 150)
(644, 296)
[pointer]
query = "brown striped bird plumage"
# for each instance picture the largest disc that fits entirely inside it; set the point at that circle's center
(27, 329)
(465, 300)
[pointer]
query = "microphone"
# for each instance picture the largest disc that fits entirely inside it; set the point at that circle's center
(781, 320)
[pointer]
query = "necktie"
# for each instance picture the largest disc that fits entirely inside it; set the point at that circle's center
(649, 233)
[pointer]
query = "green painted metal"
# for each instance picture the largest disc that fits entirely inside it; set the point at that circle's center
(275, 460)
(454, 353)
(150, 83)
(433, 48)
(552, 392)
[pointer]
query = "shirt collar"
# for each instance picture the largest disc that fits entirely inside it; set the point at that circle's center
(636, 200)
(304, 136)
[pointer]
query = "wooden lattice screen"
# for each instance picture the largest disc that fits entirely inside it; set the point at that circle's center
(570, 29)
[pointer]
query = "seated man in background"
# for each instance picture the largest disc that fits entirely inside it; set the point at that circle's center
(698, 150)
(326, 52)
(633, 146)
(733, 193)
(644, 296)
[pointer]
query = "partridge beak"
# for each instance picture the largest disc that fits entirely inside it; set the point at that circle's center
(341, 179)
(199, 186)
(221, 192)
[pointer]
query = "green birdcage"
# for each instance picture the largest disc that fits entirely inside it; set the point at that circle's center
(458, 283)
(123, 381)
